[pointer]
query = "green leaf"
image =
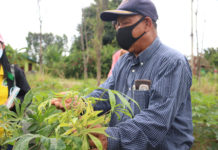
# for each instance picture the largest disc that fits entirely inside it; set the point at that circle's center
(126, 112)
(124, 101)
(61, 145)
(97, 120)
(11, 140)
(112, 100)
(17, 107)
(47, 130)
(33, 127)
(133, 101)
(85, 143)
(97, 142)
(27, 100)
(95, 130)
(118, 115)
(23, 142)
(45, 141)
(53, 144)
(52, 118)
(57, 144)
(5, 110)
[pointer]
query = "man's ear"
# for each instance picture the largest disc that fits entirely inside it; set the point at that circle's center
(148, 21)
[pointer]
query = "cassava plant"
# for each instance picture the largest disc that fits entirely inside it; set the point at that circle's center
(42, 127)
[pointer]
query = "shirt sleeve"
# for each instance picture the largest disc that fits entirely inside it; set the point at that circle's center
(21, 82)
(169, 90)
(102, 93)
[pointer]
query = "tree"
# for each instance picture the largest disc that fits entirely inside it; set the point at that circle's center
(96, 34)
(33, 43)
(211, 54)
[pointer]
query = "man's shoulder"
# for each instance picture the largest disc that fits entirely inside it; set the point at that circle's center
(171, 55)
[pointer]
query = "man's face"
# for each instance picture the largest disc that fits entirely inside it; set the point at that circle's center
(125, 21)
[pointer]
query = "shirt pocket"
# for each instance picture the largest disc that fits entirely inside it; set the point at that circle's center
(142, 98)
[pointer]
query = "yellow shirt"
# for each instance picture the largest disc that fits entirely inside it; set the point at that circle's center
(3, 87)
(3, 93)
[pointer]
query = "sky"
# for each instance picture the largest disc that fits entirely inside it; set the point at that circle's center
(18, 17)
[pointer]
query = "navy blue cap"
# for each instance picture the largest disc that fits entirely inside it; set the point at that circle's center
(131, 7)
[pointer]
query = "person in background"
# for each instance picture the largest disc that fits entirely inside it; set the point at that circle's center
(115, 58)
(158, 77)
(10, 76)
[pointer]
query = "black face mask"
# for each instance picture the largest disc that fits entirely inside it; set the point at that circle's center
(124, 35)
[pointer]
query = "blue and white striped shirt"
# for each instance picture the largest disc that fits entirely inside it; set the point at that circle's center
(164, 121)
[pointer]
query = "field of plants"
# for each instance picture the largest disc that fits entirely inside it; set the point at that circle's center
(49, 128)
(205, 113)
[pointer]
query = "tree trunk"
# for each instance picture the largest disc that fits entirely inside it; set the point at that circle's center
(40, 36)
(83, 49)
(87, 50)
(192, 40)
(197, 46)
(101, 5)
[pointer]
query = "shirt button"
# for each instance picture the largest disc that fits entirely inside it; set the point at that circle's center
(133, 70)
(142, 63)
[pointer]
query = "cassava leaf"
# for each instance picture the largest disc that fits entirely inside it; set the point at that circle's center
(23, 142)
(112, 100)
(95, 130)
(124, 101)
(27, 101)
(85, 144)
(97, 142)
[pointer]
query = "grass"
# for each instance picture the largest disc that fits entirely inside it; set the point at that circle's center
(49, 83)
(204, 94)
(206, 84)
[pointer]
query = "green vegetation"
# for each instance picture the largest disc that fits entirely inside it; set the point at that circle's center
(204, 103)
(205, 113)
(204, 106)
(42, 126)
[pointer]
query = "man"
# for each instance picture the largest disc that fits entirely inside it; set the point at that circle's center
(156, 76)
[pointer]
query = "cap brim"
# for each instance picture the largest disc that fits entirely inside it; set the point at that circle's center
(110, 15)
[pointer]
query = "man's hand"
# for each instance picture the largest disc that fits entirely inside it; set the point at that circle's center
(57, 102)
(101, 137)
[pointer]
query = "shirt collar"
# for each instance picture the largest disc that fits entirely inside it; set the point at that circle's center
(147, 53)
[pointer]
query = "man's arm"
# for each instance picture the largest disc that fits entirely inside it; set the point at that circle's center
(169, 90)
(98, 93)
(101, 93)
